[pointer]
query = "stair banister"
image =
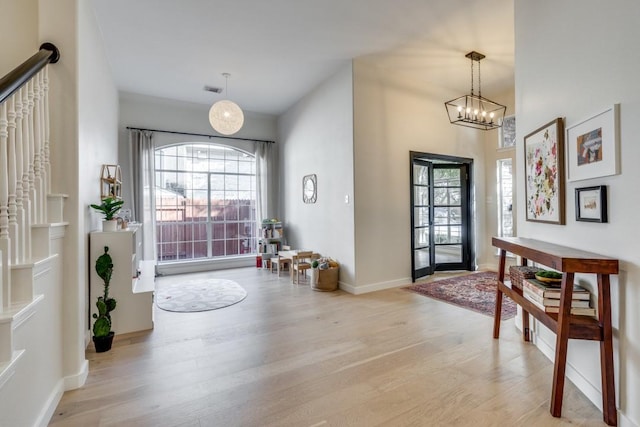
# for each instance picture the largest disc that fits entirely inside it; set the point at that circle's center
(16, 78)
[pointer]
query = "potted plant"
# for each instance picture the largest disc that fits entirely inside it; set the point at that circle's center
(109, 207)
(102, 333)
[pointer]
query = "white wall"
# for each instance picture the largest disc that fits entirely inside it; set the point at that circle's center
(574, 59)
(84, 110)
(58, 24)
(19, 33)
(316, 137)
(394, 115)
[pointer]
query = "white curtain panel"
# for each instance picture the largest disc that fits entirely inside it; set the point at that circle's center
(264, 185)
(143, 191)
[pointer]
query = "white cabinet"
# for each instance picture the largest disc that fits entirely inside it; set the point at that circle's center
(131, 284)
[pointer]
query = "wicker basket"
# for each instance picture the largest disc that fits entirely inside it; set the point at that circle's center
(519, 273)
(324, 280)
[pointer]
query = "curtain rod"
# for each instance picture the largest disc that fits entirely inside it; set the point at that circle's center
(202, 134)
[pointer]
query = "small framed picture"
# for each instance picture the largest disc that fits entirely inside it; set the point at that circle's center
(591, 204)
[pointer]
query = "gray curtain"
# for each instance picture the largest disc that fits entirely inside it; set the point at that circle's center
(264, 184)
(143, 188)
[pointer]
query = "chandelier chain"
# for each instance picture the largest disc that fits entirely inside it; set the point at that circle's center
(479, 83)
(226, 84)
(471, 76)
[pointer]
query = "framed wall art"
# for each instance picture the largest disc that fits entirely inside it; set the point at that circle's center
(544, 173)
(591, 204)
(593, 146)
(507, 132)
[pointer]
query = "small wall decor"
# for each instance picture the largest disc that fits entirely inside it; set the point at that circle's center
(110, 182)
(544, 173)
(591, 204)
(507, 133)
(593, 146)
(309, 188)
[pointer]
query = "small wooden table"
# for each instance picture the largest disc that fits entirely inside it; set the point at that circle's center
(569, 261)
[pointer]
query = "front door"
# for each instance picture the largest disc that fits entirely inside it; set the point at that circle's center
(441, 225)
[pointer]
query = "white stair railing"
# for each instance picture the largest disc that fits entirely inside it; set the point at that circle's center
(24, 161)
(4, 203)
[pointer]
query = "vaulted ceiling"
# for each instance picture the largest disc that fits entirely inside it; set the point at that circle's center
(278, 50)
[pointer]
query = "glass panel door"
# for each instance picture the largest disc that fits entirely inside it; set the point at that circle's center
(448, 214)
(441, 237)
(421, 219)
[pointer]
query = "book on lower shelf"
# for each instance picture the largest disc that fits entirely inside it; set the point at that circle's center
(553, 302)
(547, 298)
(543, 290)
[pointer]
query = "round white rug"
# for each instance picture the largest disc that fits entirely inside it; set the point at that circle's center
(200, 295)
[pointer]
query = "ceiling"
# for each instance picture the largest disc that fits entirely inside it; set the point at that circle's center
(278, 50)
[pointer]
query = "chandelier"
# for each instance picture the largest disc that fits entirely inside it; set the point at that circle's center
(474, 110)
(226, 116)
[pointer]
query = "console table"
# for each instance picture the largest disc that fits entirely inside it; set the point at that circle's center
(569, 261)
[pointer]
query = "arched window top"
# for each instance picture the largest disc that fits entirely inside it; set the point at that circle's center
(203, 150)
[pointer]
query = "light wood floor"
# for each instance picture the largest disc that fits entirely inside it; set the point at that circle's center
(289, 356)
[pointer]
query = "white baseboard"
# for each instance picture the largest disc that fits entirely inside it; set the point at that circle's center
(624, 421)
(208, 265)
(50, 406)
(358, 290)
(491, 267)
(582, 383)
(75, 381)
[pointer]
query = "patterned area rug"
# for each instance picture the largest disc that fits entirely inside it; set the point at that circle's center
(200, 295)
(476, 291)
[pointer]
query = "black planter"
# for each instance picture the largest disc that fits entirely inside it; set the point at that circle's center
(103, 344)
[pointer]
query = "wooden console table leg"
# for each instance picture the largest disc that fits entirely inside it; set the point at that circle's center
(525, 314)
(497, 316)
(609, 412)
(562, 341)
(525, 325)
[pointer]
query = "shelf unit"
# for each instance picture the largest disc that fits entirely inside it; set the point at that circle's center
(569, 261)
(131, 284)
(271, 238)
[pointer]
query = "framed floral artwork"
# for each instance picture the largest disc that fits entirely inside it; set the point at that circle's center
(544, 173)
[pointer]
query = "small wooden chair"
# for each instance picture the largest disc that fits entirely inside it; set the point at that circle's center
(280, 262)
(300, 263)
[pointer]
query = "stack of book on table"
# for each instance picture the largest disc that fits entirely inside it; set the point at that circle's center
(547, 298)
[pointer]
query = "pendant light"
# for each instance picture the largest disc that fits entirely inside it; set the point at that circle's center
(474, 110)
(226, 116)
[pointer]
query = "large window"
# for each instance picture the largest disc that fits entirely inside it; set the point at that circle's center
(205, 202)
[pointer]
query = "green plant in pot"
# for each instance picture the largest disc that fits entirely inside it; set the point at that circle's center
(109, 207)
(102, 333)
